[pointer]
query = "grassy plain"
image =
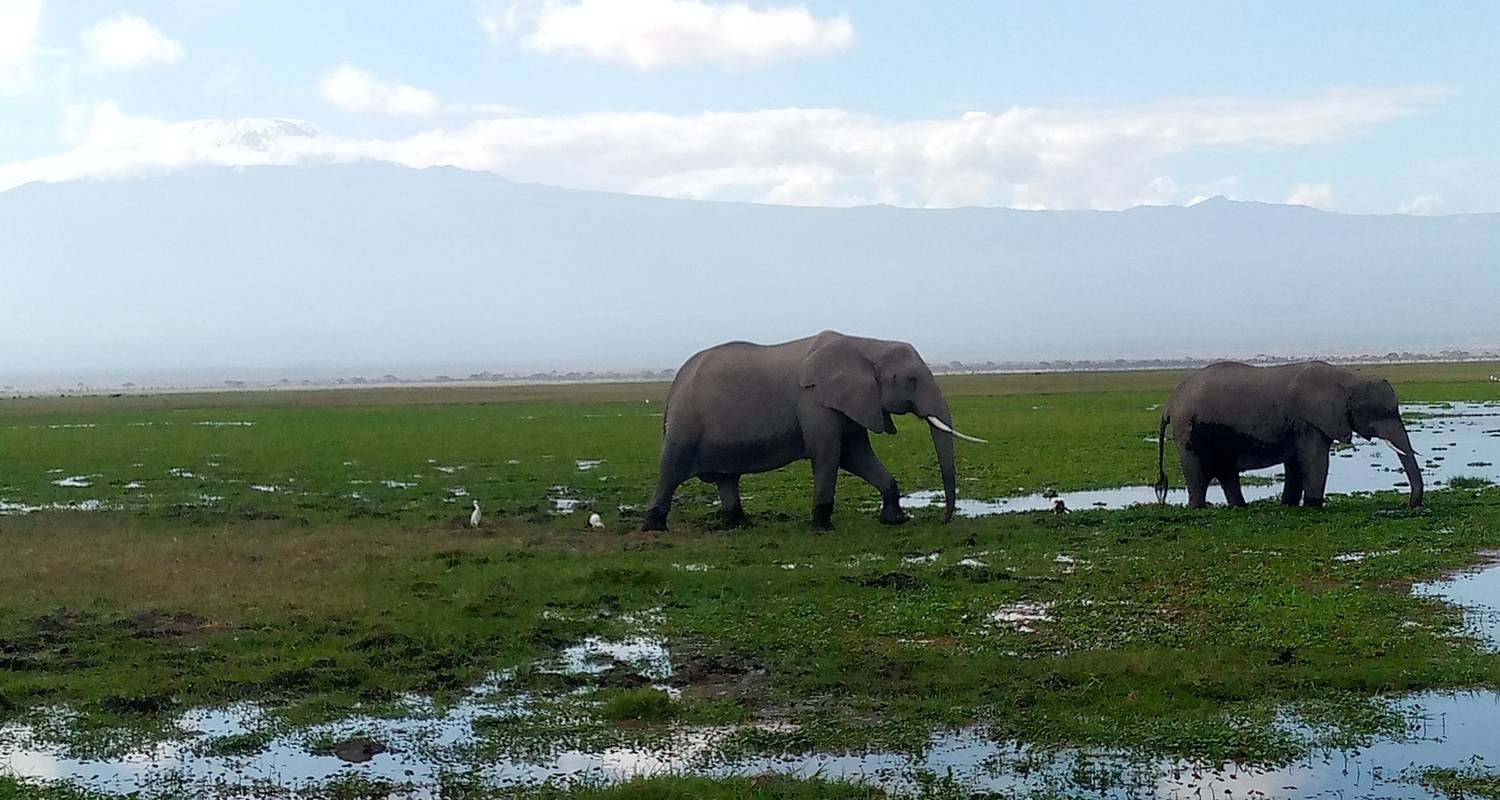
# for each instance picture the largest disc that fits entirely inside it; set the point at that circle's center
(305, 556)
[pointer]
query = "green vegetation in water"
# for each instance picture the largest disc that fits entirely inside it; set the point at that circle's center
(1461, 783)
(1469, 482)
(640, 705)
(656, 788)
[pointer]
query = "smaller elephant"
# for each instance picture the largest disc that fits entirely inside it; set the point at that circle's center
(1229, 417)
(742, 408)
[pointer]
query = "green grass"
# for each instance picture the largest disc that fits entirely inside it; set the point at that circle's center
(396, 454)
(1172, 631)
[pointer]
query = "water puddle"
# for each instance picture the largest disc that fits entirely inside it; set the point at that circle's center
(1360, 556)
(1442, 729)
(647, 656)
(1476, 591)
(7, 508)
(562, 501)
(1452, 439)
(1022, 616)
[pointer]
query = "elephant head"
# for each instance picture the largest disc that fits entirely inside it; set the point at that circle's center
(868, 380)
(1351, 404)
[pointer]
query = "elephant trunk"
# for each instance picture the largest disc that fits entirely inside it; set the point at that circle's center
(934, 410)
(1395, 436)
(1408, 456)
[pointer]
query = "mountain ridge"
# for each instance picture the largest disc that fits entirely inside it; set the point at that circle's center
(303, 267)
(240, 132)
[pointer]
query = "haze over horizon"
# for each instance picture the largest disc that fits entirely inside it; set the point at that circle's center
(375, 268)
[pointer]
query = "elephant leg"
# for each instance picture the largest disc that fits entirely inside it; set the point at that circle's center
(859, 460)
(1291, 492)
(1312, 454)
(676, 467)
(1197, 477)
(825, 464)
(1229, 481)
(730, 510)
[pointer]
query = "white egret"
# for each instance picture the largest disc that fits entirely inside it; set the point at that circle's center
(476, 517)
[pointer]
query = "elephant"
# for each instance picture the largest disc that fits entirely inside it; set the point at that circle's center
(1228, 417)
(741, 408)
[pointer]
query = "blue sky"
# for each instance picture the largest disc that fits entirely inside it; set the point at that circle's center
(1371, 107)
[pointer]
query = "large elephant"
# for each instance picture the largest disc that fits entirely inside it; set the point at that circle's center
(1229, 417)
(741, 408)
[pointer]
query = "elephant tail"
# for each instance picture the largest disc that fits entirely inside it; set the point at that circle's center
(1161, 457)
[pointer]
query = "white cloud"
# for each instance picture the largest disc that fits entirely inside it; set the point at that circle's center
(20, 26)
(1423, 204)
(125, 41)
(355, 90)
(1315, 195)
(1023, 157)
(660, 34)
(111, 144)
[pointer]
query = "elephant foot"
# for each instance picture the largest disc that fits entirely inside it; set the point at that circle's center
(734, 517)
(891, 514)
(890, 507)
(1313, 502)
(823, 516)
(655, 521)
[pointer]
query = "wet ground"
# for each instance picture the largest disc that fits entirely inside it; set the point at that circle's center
(1443, 730)
(242, 743)
(1451, 440)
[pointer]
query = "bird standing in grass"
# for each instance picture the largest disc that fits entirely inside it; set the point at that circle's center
(596, 522)
(476, 517)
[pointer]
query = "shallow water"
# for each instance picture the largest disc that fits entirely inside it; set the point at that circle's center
(1443, 730)
(1477, 591)
(1458, 439)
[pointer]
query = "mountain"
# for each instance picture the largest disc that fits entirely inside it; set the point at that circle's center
(380, 266)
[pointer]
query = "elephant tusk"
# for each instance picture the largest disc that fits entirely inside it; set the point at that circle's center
(1398, 450)
(937, 423)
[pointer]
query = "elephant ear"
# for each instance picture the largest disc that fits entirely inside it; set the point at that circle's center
(841, 378)
(1324, 404)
